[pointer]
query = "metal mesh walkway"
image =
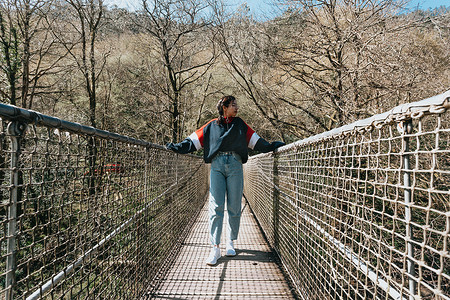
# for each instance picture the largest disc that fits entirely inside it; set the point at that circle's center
(252, 274)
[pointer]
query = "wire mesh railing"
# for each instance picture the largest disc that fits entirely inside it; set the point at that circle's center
(86, 213)
(362, 211)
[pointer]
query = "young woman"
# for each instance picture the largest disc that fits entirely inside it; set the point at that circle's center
(225, 141)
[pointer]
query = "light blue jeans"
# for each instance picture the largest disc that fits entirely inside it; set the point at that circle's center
(226, 181)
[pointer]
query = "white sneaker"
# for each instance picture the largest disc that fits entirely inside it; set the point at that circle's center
(213, 256)
(230, 249)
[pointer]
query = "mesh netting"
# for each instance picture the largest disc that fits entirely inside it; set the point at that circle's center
(361, 212)
(91, 215)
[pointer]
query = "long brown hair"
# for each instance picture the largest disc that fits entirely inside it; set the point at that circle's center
(225, 101)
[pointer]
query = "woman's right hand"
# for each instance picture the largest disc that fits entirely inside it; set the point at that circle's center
(170, 146)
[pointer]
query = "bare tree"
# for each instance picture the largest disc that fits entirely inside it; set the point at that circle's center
(246, 46)
(31, 55)
(10, 41)
(42, 57)
(79, 34)
(90, 14)
(180, 30)
(337, 52)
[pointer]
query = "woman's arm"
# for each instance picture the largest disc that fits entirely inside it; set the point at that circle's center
(264, 146)
(190, 144)
(257, 143)
(186, 146)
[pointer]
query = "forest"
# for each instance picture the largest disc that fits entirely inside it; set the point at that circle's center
(156, 73)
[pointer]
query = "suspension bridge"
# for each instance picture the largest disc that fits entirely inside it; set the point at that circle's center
(359, 212)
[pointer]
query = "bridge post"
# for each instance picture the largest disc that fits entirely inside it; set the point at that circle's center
(407, 129)
(276, 204)
(298, 208)
(15, 130)
(146, 174)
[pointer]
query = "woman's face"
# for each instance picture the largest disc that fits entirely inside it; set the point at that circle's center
(230, 111)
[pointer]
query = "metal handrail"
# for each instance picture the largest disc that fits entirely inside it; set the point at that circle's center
(14, 113)
(415, 110)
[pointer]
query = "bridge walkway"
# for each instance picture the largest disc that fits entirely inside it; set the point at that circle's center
(252, 274)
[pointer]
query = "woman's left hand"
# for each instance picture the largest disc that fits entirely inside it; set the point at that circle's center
(277, 144)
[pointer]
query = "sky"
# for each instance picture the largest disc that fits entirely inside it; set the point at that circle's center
(263, 6)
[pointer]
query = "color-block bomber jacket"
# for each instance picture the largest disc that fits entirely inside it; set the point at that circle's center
(235, 135)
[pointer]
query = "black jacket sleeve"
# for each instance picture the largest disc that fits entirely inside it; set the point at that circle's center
(186, 146)
(263, 146)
